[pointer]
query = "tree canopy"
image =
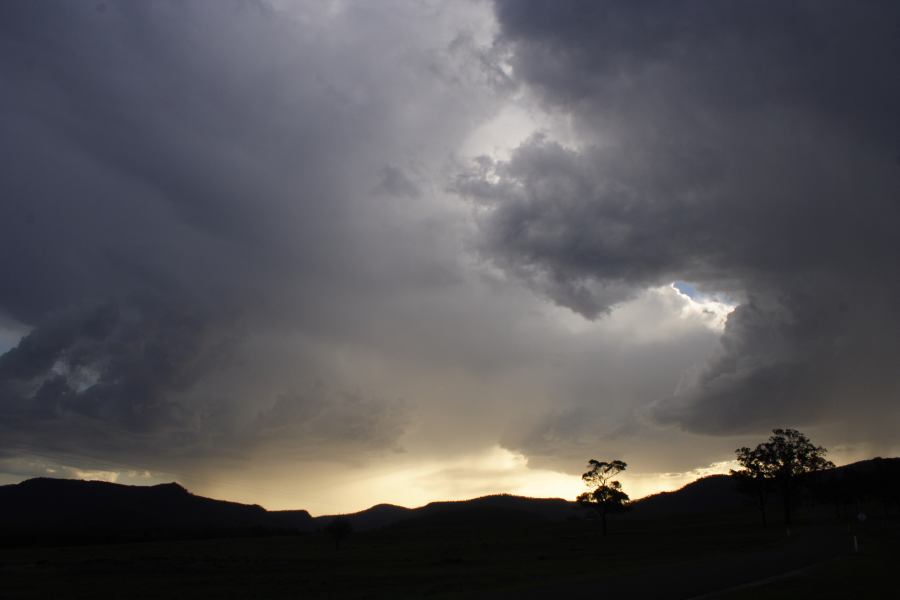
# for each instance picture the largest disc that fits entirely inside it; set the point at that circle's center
(780, 460)
(605, 495)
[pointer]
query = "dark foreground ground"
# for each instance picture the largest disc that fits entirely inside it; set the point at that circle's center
(687, 557)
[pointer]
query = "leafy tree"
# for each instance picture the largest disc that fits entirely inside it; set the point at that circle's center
(754, 479)
(782, 460)
(605, 495)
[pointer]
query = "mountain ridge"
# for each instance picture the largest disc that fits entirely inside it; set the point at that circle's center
(48, 508)
(43, 508)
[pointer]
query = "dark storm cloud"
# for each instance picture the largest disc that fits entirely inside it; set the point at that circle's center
(750, 147)
(182, 180)
(321, 415)
(110, 376)
(226, 235)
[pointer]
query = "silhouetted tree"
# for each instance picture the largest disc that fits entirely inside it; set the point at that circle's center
(339, 530)
(782, 459)
(754, 479)
(605, 495)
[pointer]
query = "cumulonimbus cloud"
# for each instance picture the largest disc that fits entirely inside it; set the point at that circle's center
(186, 182)
(750, 148)
(232, 230)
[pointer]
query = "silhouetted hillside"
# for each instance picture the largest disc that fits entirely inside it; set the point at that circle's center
(875, 479)
(40, 509)
(878, 467)
(296, 520)
(492, 509)
(380, 515)
(548, 509)
(52, 510)
(716, 493)
(712, 494)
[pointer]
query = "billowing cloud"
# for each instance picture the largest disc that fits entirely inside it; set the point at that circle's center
(749, 148)
(198, 189)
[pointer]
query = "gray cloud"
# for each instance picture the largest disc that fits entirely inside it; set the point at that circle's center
(395, 182)
(320, 417)
(186, 182)
(749, 148)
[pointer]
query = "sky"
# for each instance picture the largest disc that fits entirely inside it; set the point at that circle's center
(329, 254)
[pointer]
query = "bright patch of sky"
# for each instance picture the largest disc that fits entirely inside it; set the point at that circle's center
(713, 308)
(512, 125)
(25, 466)
(639, 485)
(10, 335)
(493, 470)
(657, 314)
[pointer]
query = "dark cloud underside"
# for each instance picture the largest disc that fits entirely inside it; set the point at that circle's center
(184, 183)
(753, 148)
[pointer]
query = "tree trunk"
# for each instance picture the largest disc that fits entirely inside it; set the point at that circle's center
(604, 523)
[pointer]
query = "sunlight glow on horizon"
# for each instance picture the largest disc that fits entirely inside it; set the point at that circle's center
(493, 471)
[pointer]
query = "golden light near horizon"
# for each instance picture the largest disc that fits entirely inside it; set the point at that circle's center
(495, 470)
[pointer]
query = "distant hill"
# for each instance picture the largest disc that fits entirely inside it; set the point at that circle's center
(492, 508)
(719, 493)
(46, 508)
(888, 467)
(53, 510)
(376, 517)
(513, 508)
(715, 493)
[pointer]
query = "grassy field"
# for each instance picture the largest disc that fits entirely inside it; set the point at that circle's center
(671, 558)
(868, 572)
